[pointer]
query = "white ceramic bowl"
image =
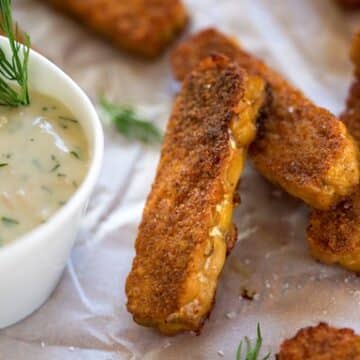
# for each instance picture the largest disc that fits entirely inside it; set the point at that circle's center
(31, 266)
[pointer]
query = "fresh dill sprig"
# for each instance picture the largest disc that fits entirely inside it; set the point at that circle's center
(252, 350)
(129, 124)
(15, 68)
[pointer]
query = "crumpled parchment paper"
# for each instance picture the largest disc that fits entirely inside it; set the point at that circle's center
(86, 317)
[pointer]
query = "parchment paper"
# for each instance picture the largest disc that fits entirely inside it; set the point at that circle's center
(86, 318)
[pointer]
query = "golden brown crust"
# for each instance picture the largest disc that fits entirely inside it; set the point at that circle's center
(199, 46)
(143, 27)
(334, 236)
(299, 146)
(321, 342)
(351, 117)
(189, 185)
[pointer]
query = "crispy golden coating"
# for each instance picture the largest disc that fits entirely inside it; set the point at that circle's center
(186, 228)
(334, 235)
(299, 146)
(143, 27)
(321, 342)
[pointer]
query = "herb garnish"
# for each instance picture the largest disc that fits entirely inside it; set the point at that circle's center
(66, 118)
(14, 69)
(46, 189)
(3, 164)
(129, 124)
(75, 154)
(36, 164)
(55, 167)
(252, 351)
(9, 221)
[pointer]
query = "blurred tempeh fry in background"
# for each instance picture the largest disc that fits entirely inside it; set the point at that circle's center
(142, 27)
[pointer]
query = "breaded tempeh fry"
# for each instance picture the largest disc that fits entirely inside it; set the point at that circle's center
(321, 342)
(186, 225)
(301, 147)
(143, 27)
(334, 235)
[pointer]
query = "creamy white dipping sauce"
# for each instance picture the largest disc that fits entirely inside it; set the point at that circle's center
(44, 157)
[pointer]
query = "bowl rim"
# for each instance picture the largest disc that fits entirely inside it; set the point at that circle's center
(80, 196)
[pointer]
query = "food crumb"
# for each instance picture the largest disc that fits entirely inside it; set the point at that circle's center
(71, 348)
(230, 315)
(356, 294)
(42, 344)
(247, 294)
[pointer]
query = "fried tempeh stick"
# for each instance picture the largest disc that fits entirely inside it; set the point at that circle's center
(321, 342)
(143, 27)
(186, 225)
(334, 236)
(301, 147)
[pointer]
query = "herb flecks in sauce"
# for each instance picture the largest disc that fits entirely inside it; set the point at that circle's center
(66, 118)
(55, 167)
(43, 174)
(8, 221)
(75, 154)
